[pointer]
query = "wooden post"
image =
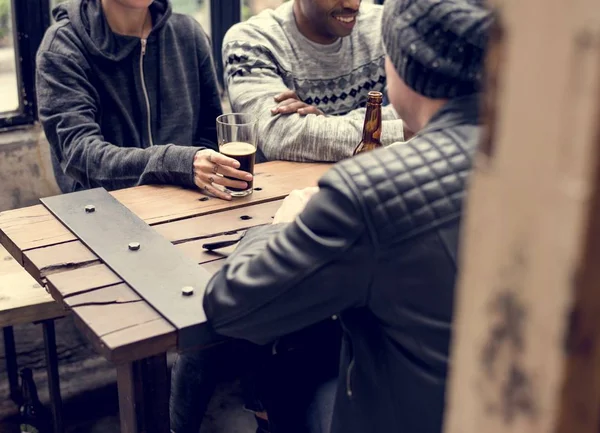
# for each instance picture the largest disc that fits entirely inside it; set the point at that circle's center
(144, 395)
(526, 348)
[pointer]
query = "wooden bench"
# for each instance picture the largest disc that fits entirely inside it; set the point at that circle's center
(23, 300)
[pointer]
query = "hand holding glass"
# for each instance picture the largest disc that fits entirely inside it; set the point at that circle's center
(236, 134)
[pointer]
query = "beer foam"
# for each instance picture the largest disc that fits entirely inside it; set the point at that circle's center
(238, 148)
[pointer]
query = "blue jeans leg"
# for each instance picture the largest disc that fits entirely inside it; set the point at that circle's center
(320, 410)
(298, 385)
(193, 380)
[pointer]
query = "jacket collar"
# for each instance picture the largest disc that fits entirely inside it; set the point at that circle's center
(457, 111)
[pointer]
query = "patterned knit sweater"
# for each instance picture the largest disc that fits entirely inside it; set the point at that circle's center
(267, 55)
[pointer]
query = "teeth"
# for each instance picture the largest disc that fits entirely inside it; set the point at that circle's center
(345, 20)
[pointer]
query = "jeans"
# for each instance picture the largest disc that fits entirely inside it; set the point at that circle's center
(297, 389)
(296, 385)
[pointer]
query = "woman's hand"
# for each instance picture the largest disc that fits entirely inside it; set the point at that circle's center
(210, 167)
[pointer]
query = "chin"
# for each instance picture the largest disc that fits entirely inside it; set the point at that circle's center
(343, 34)
(340, 30)
(135, 4)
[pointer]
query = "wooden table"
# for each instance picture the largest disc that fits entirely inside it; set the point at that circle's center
(119, 324)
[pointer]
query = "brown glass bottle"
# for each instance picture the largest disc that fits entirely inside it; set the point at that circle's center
(34, 417)
(372, 130)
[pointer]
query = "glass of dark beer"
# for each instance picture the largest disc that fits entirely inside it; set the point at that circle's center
(236, 133)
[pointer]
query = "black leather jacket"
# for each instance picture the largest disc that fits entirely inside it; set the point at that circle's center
(378, 246)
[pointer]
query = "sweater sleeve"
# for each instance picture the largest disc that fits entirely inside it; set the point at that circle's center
(254, 76)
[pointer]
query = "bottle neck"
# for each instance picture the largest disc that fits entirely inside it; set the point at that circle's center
(372, 127)
(28, 389)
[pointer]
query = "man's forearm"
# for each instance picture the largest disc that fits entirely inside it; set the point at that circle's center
(312, 138)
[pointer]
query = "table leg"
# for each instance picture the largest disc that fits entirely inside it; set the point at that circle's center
(10, 353)
(144, 395)
(53, 377)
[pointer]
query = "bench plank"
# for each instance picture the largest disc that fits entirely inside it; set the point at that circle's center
(139, 328)
(22, 299)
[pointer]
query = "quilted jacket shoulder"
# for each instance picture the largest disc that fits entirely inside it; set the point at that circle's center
(411, 187)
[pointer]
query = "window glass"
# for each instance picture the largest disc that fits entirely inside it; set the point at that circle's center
(199, 9)
(9, 88)
(253, 7)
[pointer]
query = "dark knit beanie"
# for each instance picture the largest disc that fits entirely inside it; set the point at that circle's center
(437, 46)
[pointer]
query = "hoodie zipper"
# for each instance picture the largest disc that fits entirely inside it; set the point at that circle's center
(350, 354)
(349, 378)
(144, 42)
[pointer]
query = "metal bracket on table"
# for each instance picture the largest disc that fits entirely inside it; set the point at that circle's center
(153, 267)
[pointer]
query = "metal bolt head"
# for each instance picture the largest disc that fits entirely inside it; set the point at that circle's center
(134, 246)
(187, 291)
(90, 208)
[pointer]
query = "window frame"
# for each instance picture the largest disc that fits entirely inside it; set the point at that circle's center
(31, 19)
(222, 17)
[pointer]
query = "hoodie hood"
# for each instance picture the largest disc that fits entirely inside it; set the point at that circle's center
(89, 22)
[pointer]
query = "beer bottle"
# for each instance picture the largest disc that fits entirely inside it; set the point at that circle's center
(372, 130)
(33, 414)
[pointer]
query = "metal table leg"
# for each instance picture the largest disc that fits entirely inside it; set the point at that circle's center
(53, 378)
(11, 364)
(144, 395)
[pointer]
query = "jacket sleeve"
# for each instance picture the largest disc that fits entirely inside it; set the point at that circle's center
(252, 77)
(209, 91)
(284, 277)
(68, 110)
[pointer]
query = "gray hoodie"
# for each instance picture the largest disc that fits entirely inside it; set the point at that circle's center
(117, 115)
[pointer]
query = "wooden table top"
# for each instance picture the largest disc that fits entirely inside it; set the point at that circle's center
(121, 325)
(23, 299)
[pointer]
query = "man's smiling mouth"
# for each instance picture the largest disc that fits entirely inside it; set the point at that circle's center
(346, 19)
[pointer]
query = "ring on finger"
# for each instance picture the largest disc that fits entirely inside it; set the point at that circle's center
(209, 190)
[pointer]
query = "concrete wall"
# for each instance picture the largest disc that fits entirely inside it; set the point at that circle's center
(25, 168)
